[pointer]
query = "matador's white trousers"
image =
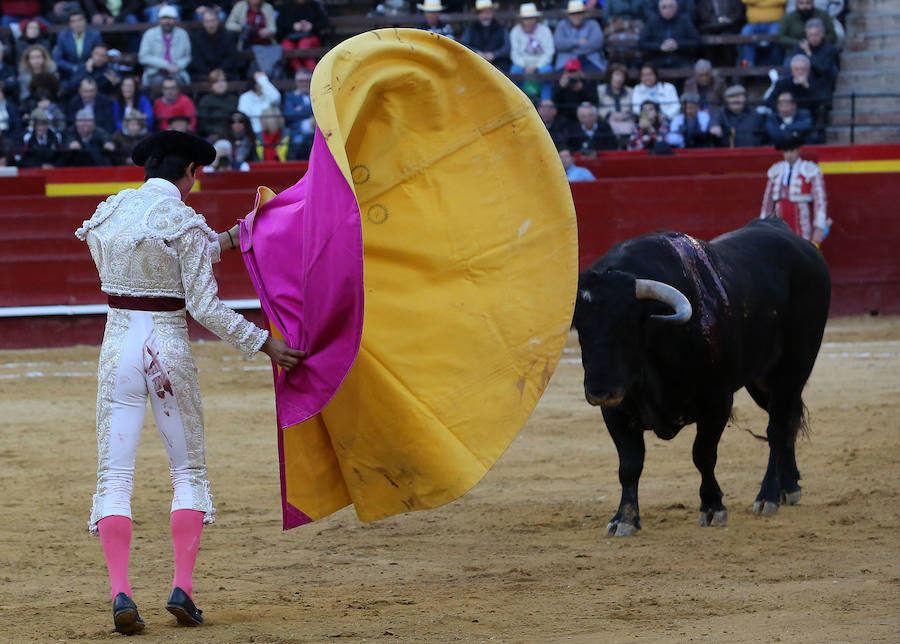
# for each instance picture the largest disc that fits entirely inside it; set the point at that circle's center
(147, 354)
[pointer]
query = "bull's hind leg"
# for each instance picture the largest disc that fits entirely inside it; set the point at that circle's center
(629, 440)
(706, 453)
(780, 480)
(790, 476)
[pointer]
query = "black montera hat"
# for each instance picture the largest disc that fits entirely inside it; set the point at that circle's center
(189, 146)
(790, 141)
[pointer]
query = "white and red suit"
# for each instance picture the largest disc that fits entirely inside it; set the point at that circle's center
(796, 193)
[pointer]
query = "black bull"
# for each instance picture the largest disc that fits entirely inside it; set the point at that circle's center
(750, 311)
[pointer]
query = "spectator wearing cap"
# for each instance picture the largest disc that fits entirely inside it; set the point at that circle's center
(213, 47)
(788, 120)
(690, 127)
(736, 125)
(656, 91)
(99, 68)
(431, 11)
(41, 145)
(669, 38)
(532, 49)
(165, 50)
(573, 172)
(792, 27)
(173, 103)
(795, 192)
(823, 56)
(74, 45)
(571, 90)
(706, 84)
(214, 109)
(487, 37)
(591, 133)
(88, 98)
(93, 143)
(132, 132)
(577, 38)
(763, 19)
(225, 160)
(614, 100)
(302, 25)
(558, 126)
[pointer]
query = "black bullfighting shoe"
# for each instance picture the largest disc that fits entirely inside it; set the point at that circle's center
(182, 607)
(125, 615)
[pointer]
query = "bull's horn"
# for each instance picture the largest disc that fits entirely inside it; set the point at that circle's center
(653, 290)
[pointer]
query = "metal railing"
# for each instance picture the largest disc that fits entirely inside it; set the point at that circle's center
(858, 100)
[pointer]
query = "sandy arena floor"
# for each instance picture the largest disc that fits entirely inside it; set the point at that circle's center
(521, 558)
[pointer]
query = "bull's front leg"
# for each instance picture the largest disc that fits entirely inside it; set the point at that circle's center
(629, 440)
(706, 453)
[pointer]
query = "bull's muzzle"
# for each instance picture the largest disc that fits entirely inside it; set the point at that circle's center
(608, 399)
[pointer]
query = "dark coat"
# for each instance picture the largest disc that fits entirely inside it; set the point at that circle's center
(561, 130)
(214, 114)
(493, 38)
(65, 54)
(95, 7)
(568, 99)
(719, 16)
(15, 118)
(91, 153)
(124, 147)
(777, 129)
(824, 63)
(602, 139)
(34, 154)
(812, 98)
(681, 29)
(741, 130)
(103, 112)
(292, 12)
(217, 52)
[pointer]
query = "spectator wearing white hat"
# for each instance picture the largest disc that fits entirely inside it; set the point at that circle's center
(579, 38)
(532, 48)
(432, 9)
(487, 37)
(165, 50)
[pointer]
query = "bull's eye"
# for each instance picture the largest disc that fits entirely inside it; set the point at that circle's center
(586, 296)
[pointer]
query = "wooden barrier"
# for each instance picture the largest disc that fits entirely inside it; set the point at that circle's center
(703, 193)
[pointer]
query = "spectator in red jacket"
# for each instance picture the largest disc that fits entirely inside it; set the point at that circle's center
(173, 103)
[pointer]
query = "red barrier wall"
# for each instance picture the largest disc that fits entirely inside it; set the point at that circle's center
(42, 262)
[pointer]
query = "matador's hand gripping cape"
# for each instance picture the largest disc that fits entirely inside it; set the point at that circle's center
(427, 262)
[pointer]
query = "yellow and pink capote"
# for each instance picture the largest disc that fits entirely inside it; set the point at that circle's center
(469, 276)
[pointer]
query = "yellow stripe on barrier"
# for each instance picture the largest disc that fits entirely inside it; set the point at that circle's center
(856, 167)
(100, 188)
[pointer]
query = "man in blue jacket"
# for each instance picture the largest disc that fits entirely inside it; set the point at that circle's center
(75, 44)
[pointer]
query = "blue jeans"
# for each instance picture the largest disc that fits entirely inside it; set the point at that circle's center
(770, 54)
(546, 86)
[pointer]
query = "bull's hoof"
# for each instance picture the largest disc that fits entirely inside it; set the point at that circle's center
(620, 529)
(765, 507)
(713, 517)
(790, 498)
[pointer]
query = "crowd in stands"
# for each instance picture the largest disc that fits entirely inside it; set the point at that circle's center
(70, 95)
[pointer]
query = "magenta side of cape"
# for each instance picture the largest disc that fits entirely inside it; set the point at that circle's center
(303, 251)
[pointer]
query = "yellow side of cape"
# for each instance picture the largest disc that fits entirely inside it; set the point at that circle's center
(470, 266)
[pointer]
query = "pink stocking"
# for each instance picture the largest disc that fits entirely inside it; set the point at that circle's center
(115, 537)
(187, 526)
